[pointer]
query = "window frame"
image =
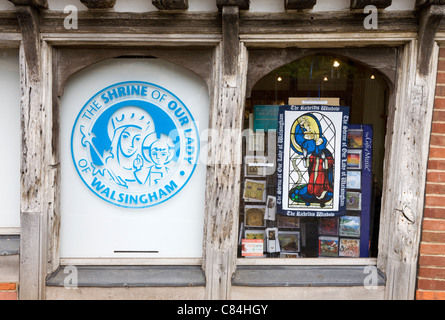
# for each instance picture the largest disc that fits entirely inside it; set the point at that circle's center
(398, 235)
(62, 52)
(265, 56)
(11, 41)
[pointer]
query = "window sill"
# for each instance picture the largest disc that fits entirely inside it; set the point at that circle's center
(306, 276)
(131, 276)
(9, 245)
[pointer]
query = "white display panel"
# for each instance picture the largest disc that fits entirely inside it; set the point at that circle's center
(10, 139)
(94, 228)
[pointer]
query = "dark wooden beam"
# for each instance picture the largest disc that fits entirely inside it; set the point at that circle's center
(299, 4)
(171, 4)
(361, 4)
(99, 4)
(241, 4)
(41, 4)
(424, 3)
(430, 18)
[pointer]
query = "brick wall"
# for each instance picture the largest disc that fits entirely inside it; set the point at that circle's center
(8, 291)
(431, 273)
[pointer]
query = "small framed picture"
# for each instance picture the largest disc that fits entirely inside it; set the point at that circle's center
(353, 200)
(287, 222)
(256, 235)
(355, 138)
(271, 208)
(254, 190)
(349, 226)
(254, 216)
(354, 159)
(354, 180)
(289, 241)
(349, 248)
(255, 166)
(328, 246)
(328, 226)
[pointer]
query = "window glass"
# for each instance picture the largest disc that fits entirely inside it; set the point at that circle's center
(133, 176)
(311, 140)
(10, 138)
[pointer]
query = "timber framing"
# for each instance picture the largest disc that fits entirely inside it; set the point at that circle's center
(299, 4)
(171, 4)
(99, 4)
(40, 4)
(430, 18)
(361, 4)
(241, 4)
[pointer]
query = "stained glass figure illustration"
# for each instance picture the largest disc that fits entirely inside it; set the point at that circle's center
(312, 176)
(311, 160)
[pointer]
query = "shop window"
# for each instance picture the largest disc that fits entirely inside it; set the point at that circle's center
(10, 139)
(133, 177)
(317, 80)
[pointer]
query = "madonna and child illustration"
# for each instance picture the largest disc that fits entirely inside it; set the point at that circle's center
(311, 158)
(135, 144)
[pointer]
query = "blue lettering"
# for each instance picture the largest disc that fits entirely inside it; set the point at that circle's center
(96, 183)
(133, 199)
(121, 91)
(104, 98)
(112, 93)
(153, 196)
(171, 187)
(142, 199)
(106, 192)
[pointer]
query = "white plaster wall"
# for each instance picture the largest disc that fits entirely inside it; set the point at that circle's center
(6, 5)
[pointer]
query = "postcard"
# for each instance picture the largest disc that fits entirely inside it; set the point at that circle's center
(328, 226)
(254, 216)
(254, 190)
(255, 166)
(256, 235)
(354, 180)
(355, 138)
(354, 159)
(349, 248)
(350, 226)
(328, 246)
(252, 248)
(288, 222)
(271, 208)
(273, 244)
(353, 200)
(289, 241)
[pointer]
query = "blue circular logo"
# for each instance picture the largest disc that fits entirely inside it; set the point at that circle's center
(135, 144)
